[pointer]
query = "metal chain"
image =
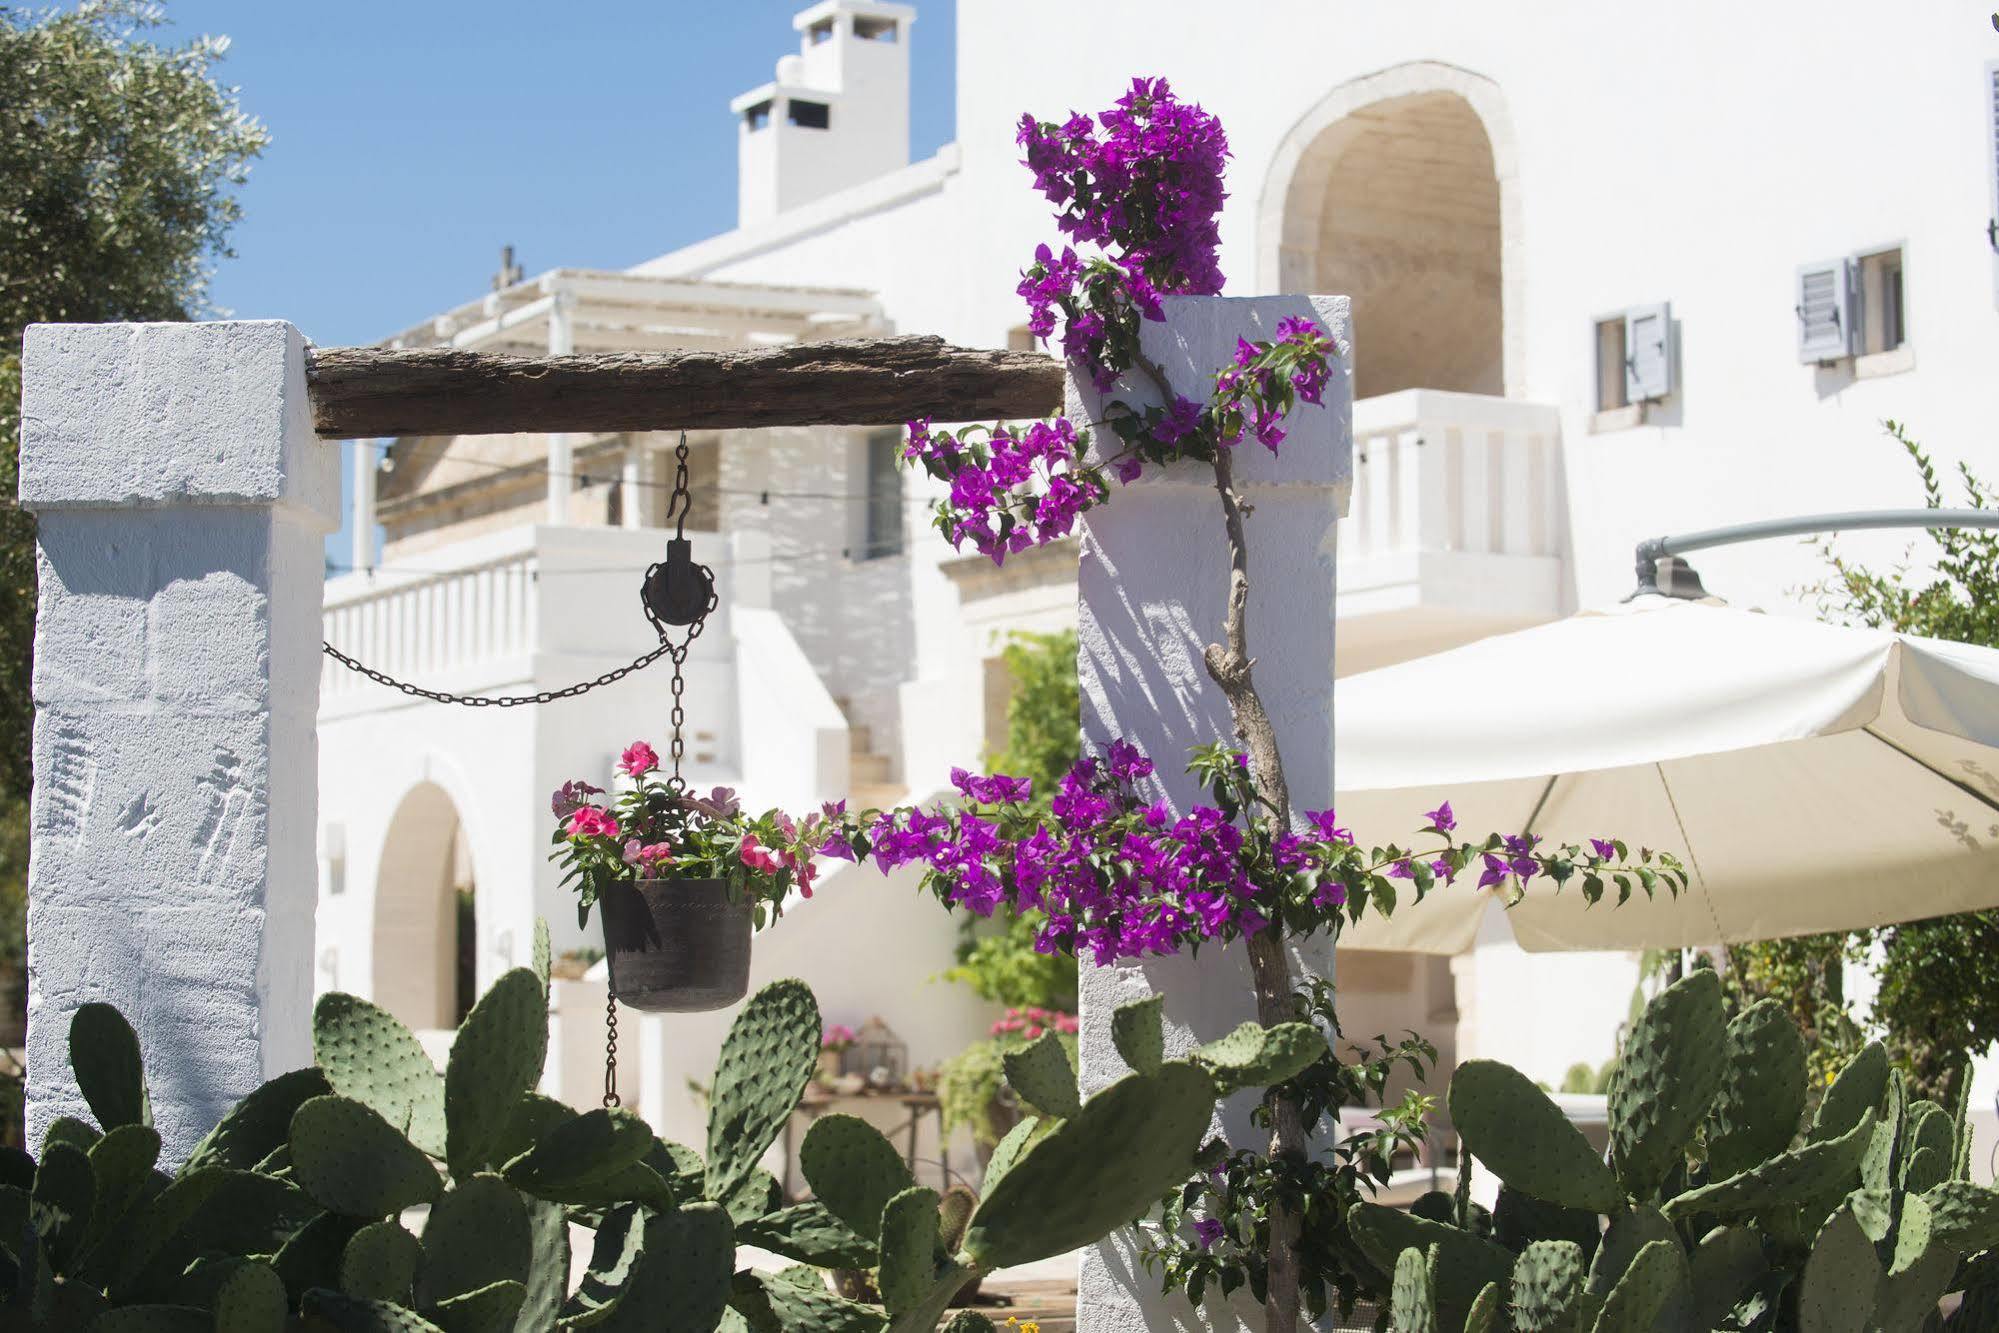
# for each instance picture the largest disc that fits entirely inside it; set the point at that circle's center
(638, 663)
(611, 1050)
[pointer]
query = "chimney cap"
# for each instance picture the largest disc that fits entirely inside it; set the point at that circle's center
(879, 9)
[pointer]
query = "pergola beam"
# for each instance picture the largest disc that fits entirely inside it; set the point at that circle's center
(369, 392)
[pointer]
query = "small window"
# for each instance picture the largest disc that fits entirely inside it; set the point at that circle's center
(875, 30)
(1853, 307)
(1634, 357)
(1610, 365)
(758, 116)
(884, 497)
(809, 115)
(819, 33)
(1882, 327)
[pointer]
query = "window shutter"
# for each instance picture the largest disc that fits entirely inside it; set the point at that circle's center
(1826, 315)
(1648, 352)
(1992, 166)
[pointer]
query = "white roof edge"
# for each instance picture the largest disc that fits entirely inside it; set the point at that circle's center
(885, 9)
(769, 92)
(884, 191)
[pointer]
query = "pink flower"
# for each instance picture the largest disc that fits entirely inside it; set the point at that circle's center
(638, 759)
(756, 858)
(590, 822)
(717, 804)
(647, 855)
(566, 798)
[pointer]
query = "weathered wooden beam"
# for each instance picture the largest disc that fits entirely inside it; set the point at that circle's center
(367, 392)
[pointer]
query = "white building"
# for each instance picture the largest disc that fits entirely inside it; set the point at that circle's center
(1611, 278)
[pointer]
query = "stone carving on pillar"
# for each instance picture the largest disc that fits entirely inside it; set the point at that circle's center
(182, 501)
(1152, 584)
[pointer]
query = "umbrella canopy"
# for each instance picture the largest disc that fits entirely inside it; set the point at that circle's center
(1811, 777)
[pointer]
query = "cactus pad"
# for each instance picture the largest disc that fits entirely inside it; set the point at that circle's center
(765, 1063)
(809, 1233)
(1840, 1276)
(345, 1314)
(1762, 1096)
(1523, 1137)
(1656, 1281)
(1548, 1287)
(1488, 1311)
(1041, 1073)
(1629, 1232)
(1965, 1216)
(261, 1123)
(853, 1170)
(1667, 1076)
(592, 1159)
(497, 1056)
(104, 1055)
(1722, 1269)
(1413, 1296)
(491, 1309)
(614, 1256)
(1466, 1263)
(682, 1279)
(548, 1273)
(969, 1321)
(1813, 1170)
(1016, 1142)
(1519, 1219)
(908, 1248)
(774, 1301)
(380, 1262)
(954, 1214)
(1254, 1056)
(251, 1299)
(1858, 1089)
(365, 1053)
(477, 1234)
(352, 1161)
(1139, 1034)
(1127, 1146)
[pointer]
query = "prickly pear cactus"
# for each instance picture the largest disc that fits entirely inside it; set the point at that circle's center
(1668, 1074)
(765, 1063)
(1041, 1073)
(1413, 1297)
(1523, 1137)
(1254, 1056)
(1762, 1094)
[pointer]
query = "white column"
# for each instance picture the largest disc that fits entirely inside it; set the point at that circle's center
(634, 477)
(182, 503)
(561, 460)
(362, 513)
(1152, 584)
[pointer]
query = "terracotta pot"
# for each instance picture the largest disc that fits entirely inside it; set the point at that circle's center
(676, 945)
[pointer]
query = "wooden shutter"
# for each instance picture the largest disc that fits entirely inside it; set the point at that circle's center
(1826, 311)
(1648, 352)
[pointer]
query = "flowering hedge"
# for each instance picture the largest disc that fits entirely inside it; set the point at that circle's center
(1140, 187)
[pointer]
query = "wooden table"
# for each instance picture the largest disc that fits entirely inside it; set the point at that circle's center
(817, 1102)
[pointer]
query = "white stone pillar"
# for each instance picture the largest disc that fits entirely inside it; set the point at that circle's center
(1152, 584)
(182, 502)
(561, 452)
(361, 514)
(635, 480)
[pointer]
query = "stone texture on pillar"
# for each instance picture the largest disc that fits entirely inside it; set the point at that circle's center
(1152, 586)
(182, 501)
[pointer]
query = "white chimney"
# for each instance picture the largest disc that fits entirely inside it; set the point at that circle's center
(836, 115)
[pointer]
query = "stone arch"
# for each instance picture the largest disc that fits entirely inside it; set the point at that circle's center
(1401, 190)
(424, 947)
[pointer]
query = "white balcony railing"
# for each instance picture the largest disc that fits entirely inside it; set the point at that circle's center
(1457, 504)
(425, 619)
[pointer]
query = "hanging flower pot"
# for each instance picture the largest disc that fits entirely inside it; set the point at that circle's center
(684, 880)
(677, 945)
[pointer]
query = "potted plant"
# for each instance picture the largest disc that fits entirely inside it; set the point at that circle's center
(834, 1043)
(683, 880)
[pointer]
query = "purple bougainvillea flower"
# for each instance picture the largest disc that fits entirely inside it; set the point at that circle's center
(1495, 871)
(1208, 1231)
(1604, 848)
(1441, 819)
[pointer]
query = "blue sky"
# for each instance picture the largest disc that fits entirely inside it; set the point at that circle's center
(410, 141)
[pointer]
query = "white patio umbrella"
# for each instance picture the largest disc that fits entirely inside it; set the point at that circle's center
(1811, 777)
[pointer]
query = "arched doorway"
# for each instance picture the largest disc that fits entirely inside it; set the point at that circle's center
(426, 921)
(1397, 190)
